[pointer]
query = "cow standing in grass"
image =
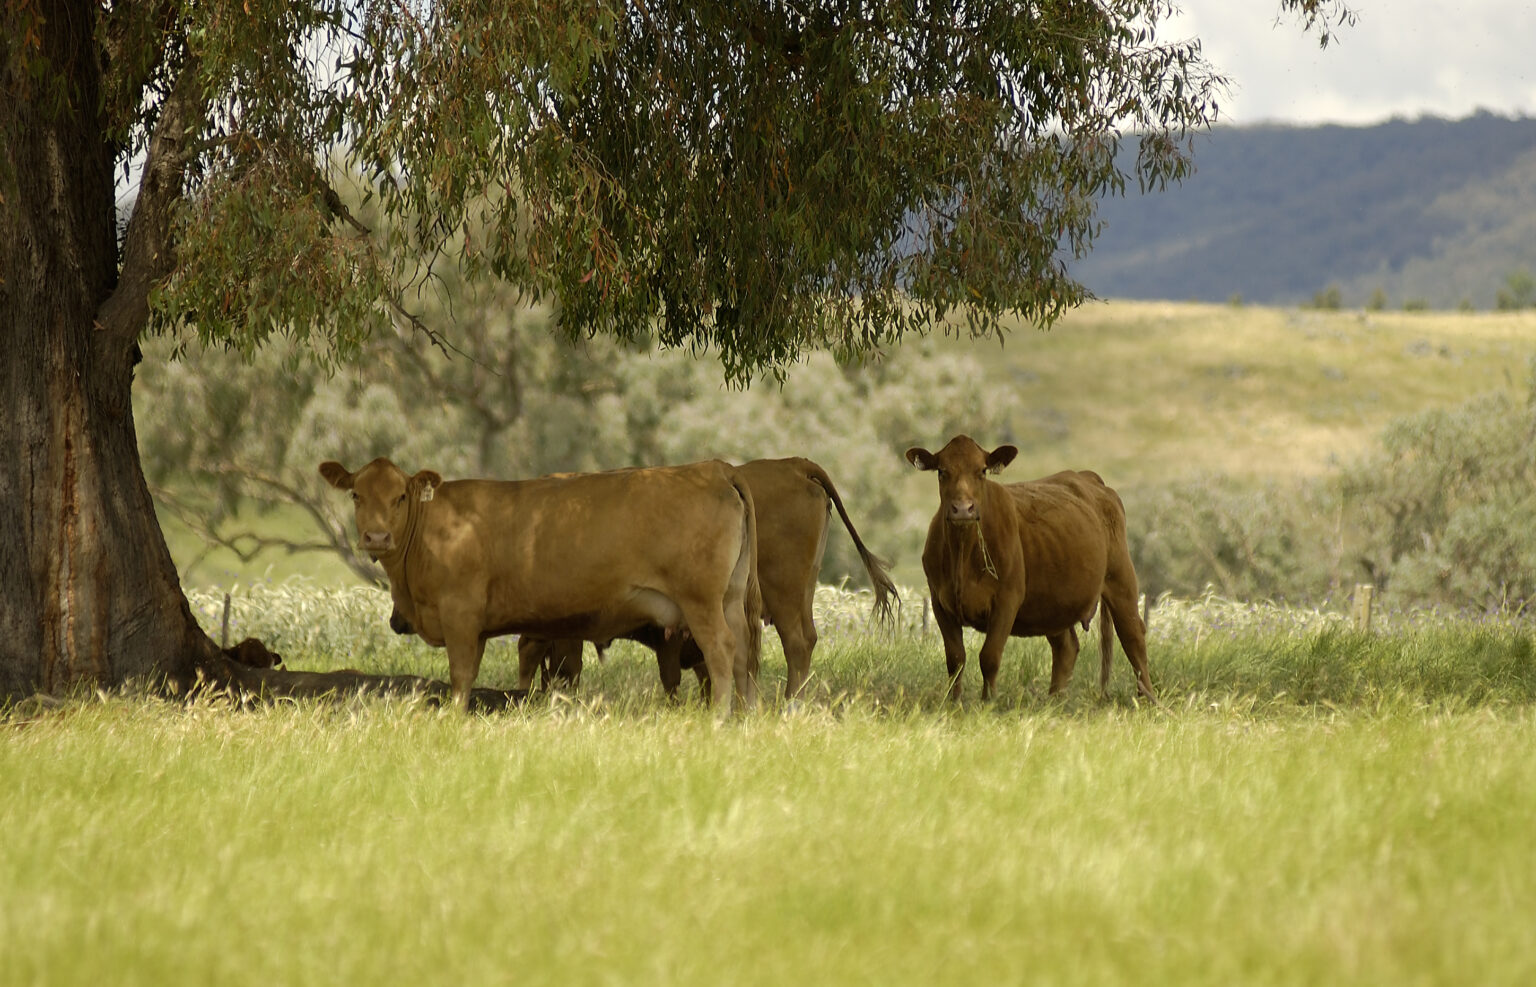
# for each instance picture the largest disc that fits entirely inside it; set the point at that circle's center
(793, 499)
(591, 556)
(1028, 559)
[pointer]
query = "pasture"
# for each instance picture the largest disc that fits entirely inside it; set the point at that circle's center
(1309, 804)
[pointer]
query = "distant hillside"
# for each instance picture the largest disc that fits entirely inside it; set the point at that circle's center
(1431, 211)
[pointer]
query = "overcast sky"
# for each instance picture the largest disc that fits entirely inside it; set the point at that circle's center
(1406, 58)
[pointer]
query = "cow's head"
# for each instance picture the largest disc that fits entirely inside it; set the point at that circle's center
(962, 466)
(253, 654)
(381, 494)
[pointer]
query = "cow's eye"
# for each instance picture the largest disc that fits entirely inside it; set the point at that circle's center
(943, 474)
(400, 500)
(354, 496)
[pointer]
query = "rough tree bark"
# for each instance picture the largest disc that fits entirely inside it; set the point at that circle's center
(91, 594)
(90, 590)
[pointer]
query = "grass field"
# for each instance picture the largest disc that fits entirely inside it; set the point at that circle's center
(1309, 805)
(1153, 392)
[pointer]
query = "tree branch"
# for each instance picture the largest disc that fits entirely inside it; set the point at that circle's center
(149, 246)
(246, 544)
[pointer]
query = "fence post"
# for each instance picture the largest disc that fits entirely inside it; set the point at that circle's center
(224, 634)
(1363, 594)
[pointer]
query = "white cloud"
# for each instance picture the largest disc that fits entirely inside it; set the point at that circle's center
(1404, 58)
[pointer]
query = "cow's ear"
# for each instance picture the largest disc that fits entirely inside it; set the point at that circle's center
(427, 482)
(922, 458)
(336, 475)
(1000, 457)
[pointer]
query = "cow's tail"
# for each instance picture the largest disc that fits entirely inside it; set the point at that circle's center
(878, 568)
(753, 604)
(1106, 644)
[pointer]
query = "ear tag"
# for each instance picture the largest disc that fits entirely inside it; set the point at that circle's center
(427, 493)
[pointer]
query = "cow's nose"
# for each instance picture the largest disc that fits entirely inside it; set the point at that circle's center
(376, 540)
(962, 510)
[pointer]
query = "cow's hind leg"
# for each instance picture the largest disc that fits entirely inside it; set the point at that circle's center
(1064, 648)
(532, 660)
(799, 638)
(1121, 602)
(669, 662)
(746, 641)
(718, 641)
(565, 662)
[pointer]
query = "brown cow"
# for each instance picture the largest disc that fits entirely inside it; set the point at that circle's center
(794, 499)
(1027, 560)
(575, 556)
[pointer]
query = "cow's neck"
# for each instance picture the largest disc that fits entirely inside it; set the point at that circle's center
(397, 563)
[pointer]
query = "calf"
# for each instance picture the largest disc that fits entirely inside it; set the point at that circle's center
(1027, 560)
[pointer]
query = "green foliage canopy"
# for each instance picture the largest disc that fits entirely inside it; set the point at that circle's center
(759, 176)
(756, 178)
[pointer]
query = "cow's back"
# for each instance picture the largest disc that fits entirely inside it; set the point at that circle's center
(1067, 525)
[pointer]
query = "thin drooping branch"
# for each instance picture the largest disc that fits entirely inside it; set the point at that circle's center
(130, 65)
(339, 210)
(219, 674)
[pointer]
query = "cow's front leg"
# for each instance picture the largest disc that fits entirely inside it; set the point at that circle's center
(999, 629)
(465, 649)
(954, 646)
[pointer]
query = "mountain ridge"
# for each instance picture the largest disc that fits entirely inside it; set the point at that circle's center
(1414, 212)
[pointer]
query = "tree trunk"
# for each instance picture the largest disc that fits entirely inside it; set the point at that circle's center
(89, 591)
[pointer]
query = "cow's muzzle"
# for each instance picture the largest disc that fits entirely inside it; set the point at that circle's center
(963, 513)
(399, 624)
(377, 542)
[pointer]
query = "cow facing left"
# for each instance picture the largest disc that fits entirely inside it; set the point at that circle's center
(573, 556)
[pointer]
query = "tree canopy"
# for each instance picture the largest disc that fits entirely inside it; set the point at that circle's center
(759, 178)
